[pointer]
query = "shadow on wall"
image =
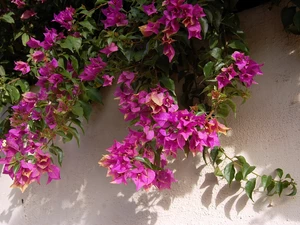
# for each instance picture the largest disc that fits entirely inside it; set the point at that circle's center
(84, 195)
(267, 127)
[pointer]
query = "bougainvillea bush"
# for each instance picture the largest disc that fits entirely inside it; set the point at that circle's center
(145, 47)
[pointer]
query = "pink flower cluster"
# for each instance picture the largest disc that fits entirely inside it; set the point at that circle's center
(163, 129)
(21, 3)
(65, 18)
(243, 67)
(176, 11)
(24, 146)
(114, 16)
(25, 160)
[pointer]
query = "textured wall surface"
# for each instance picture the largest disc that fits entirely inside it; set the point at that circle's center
(266, 131)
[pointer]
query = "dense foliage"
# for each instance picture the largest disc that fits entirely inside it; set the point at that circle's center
(147, 47)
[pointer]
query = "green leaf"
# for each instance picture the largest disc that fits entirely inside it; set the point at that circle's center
(147, 162)
(294, 191)
(250, 185)
(2, 71)
(204, 26)
(87, 110)
(223, 111)
(13, 93)
(278, 187)
(239, 176)
(279, 172)
(232, 105)
(77, 110)
(94, 94)
(218, 172)
(238, 45)
(58, 152)
(229, 172)
(168, 83)
(71, 43)
(270, 188)
(247, 169)
(208, 69)
(8, 17)
(214, 154)
(86, 24)
(74, 62)
(99, 2)
(23, 85)
(241, 159)
(216, 53)
(25, 39)
(16, 168)
(266, 181)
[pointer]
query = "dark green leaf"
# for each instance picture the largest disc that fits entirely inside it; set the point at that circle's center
(204, 26)
(239, 176)
(2, 71)
(218, 172)
(294, 191)
(71, 43)
(279, 172)
(94, 94)
(278, 187)
(87, 109)
(266, 181)
(247, 169)
(25, 39)
(250, 185)
(77, 110)
(270, 188)
(58, 152)
(229, 172)
(241, 160)
(168, 83)
(8, 17)
(16, 168)
(216, 53)
(99, 2)
(13, 93)
(208, 69)
(86, 24)
(238, 45)
(214, 154)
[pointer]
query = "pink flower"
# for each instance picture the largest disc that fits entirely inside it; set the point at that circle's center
(33, 43)
(65, 18)
(150, 9)
(91, 71)
(19, 3)
(126, 77)
(22, 66)
(38, 56)
(112, 47)
(107, 80)
(27, 14)
(223, 80)
(150, 28)
(194, 31)
(169, 51)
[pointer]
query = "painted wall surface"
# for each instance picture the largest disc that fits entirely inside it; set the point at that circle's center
(266, 131)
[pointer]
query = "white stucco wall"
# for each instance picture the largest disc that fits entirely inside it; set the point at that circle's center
(266, 131)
